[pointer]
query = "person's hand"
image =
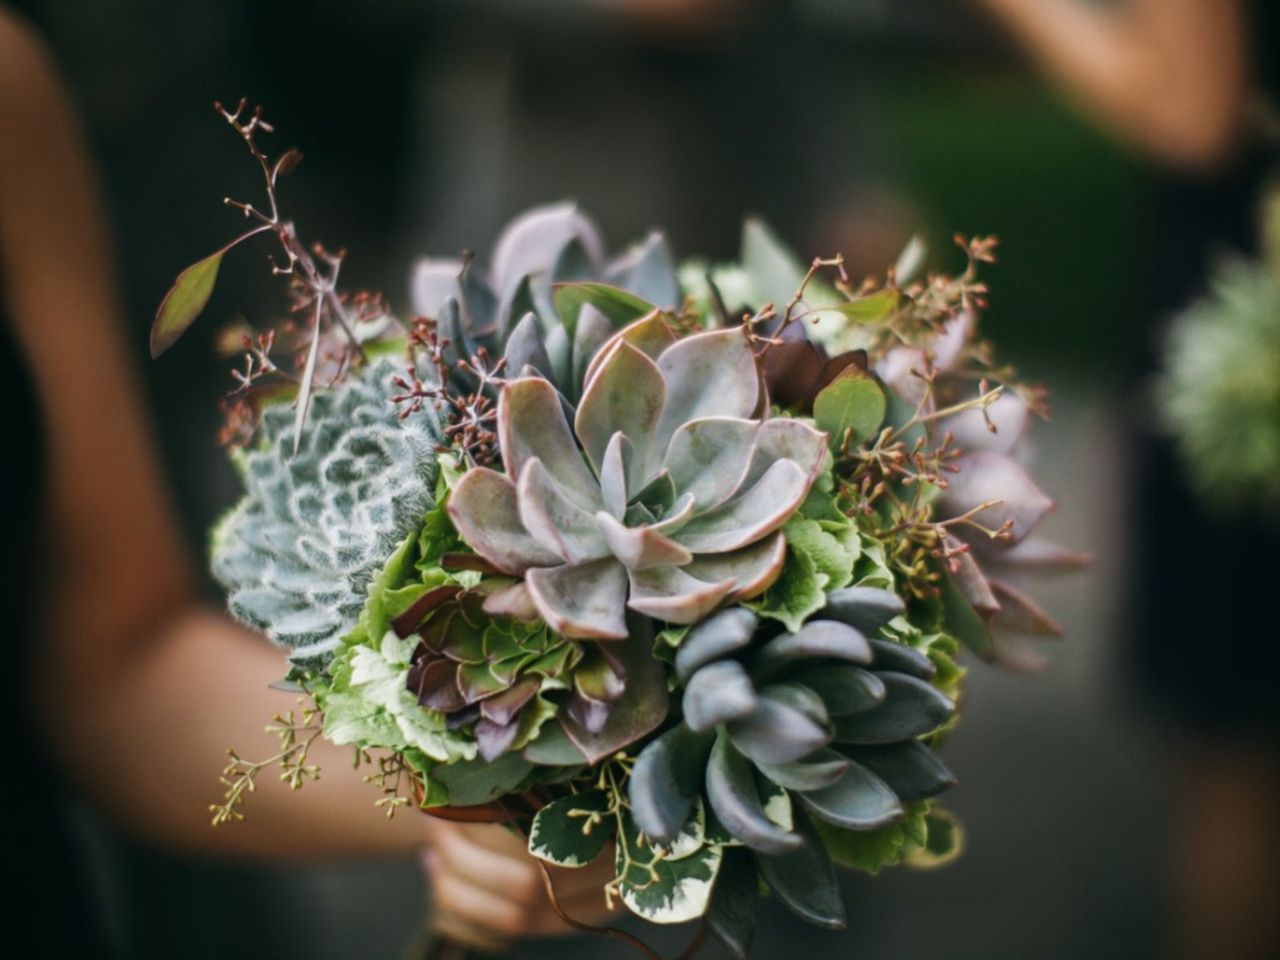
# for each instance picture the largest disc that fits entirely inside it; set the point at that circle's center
(487, 889)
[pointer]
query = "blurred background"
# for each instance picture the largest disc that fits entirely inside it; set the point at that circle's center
(849, 125)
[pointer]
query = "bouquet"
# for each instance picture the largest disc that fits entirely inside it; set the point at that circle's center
(667, 563)
(1219, 393)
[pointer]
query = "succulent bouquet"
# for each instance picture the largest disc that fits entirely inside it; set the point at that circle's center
(667, 564)
(1219, 393)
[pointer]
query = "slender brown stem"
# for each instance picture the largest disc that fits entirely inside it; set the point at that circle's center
(695, 946)
(614, 932)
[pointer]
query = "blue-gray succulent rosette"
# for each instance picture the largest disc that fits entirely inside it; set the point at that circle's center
(669, 565)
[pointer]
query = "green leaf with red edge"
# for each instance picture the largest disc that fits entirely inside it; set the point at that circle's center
(184, 302)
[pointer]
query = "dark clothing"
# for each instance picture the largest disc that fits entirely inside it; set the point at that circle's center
(46, 896)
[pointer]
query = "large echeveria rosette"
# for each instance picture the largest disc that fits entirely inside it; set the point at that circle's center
(666, 497)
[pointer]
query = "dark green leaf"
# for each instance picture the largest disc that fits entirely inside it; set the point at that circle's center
(666, 779)
(891, 655)
(852, 402)
(734, 902)
(553, 748)
(660, 889)
(817, 638)
(473, 782)
(778, 733)
(865, 608)
(859, 800)
(843, 687)
(909, 768)
(571, 831)
(734, 797)
(804, 880)
(911, 708)
(616, 304)
(184, 301)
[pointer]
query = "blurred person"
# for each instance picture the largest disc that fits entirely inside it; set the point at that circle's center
(126, 688)
(1176, 79)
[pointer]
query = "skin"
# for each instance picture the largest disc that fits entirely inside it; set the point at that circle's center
(1167, 76)
(139, 689)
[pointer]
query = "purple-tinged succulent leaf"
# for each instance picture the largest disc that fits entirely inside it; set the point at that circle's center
(985, 476)
(785, 439)
(641, 548)
(971, 433)
(554, 519)
(585, 600)
(526, 348)
(792, 369)
(650, 334)
(626, 395)
(531, 242)
(817, 638)
(514, 601)
(531, 423)
(613, 475)
(648, 271)
(777, 733)
(755, 513)
(670, 594)
(1021, 614)
(1036, 554)
(484, 508)
(409, 621)
(715, 637)
(971, 581)
(859, 800)
(710, 374)
(505, 706)
(477, 680)
(590, 334)
(708, 458)
(734, 797)
(822, 769)
(436, 684)
(494, 739)
(642, 707)
(716, 694)
(753, 569)
(964, 622)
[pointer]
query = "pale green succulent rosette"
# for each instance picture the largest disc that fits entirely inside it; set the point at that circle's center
(676, 509)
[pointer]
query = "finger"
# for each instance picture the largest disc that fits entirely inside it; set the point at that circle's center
(493, 837)
(514, 878)
(456, 899)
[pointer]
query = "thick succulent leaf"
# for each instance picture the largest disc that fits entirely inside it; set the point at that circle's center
(590, 334)
(642, 707)
(574, 264)
(963, 621)
(511, 601)
(640, 548)
(753, 569)
(473, 782)
(783, 438)
(649, 271)
(455, 339)
(484, 508)
(554, 520)
(650, 334)
(805, 881)
(435, 281)
(775, 271)
(865, 608)
(732, 791)
(525, 347)
(670, 594)
(777, 733)
(532, 242)
(970, 431)
(625, 395)
(817, 638)
(666, 779)
(911, 708)
(517, 301)
(680, 513)
(821, 769)
(735, 902)
(859, 800)
(553, 748)
(531, 423)
(708, 458)
(613, 475)
(1021, 614)
(571, 831)
(493, 738)
(909, 768)
(798, 697)
(792, 369)
(718, 693)
(674, 890)
(756, 512)
(900, 658)
(984, 476)
(584, 600)
(843, 687)
(713, 638)
(1036, 554)
(708, 375)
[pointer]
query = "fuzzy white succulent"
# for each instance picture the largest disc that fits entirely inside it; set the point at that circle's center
(298, 553)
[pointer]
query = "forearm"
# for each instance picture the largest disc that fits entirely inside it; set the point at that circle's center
(146, 743)
(1167, 75)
